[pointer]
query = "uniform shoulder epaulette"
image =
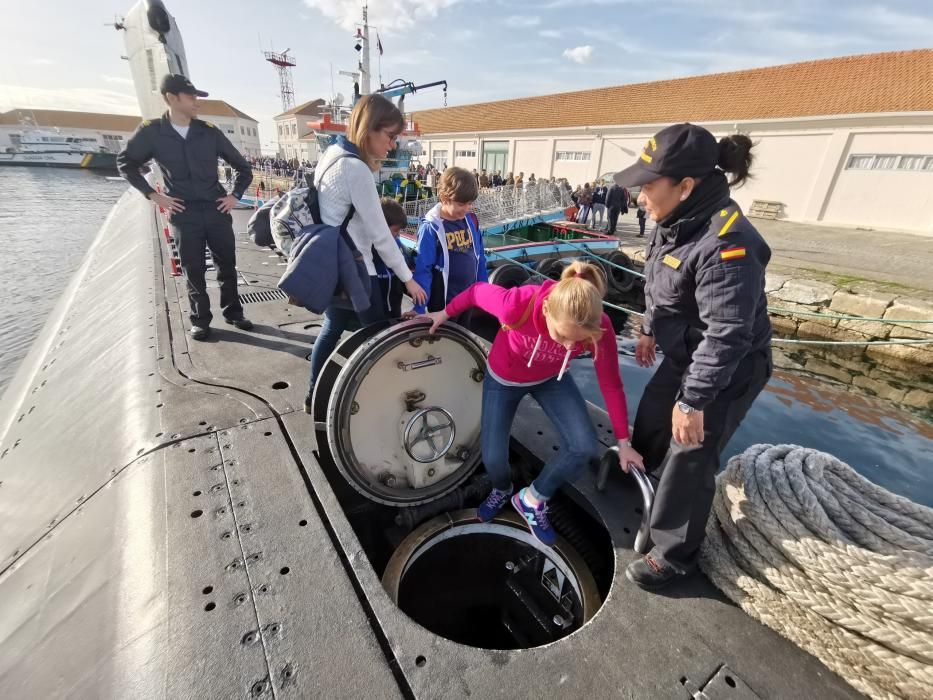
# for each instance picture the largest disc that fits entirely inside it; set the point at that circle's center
(146, 122)
(207, 123)
(724, 219)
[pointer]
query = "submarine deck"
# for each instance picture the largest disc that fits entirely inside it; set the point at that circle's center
(167, 530)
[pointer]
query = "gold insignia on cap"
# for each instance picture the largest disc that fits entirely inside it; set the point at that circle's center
(653, 145)
(723, 212)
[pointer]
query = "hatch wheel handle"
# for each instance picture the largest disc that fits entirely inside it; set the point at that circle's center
(610, 461)
(419, 431)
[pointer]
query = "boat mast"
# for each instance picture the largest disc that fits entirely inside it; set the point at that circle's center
(364, 62)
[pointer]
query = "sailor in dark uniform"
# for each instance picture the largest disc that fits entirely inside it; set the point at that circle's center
(187, 149)
(706, 310)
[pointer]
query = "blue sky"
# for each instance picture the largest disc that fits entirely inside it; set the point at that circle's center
(59, 54)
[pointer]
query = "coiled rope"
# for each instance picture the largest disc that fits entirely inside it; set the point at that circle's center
(838, 565)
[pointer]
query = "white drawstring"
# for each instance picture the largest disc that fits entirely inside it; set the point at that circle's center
(563, 367)
(535, 350)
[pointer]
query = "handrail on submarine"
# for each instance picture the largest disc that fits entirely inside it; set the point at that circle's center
(610, 459)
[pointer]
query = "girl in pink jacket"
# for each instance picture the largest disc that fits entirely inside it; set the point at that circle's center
(543, 328)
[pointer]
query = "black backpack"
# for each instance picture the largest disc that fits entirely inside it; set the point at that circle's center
(259, 227)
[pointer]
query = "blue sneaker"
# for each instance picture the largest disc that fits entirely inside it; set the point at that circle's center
(536, 519)
(492, 505)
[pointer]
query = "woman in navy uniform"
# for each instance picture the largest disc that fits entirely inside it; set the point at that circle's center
(186, 149)
(706, 310)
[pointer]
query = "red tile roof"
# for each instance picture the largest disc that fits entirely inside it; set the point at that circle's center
(67, 119)
(64, 119)
(899, 81)
(309, 108)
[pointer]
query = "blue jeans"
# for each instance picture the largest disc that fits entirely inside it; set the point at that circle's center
(564, 405)
(336, 321)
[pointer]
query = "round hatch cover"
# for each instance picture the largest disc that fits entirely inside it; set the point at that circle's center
(403, 415)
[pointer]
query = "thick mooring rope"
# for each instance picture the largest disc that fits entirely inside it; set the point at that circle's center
(838, 565)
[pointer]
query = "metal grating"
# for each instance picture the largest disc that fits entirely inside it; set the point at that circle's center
(265, 295)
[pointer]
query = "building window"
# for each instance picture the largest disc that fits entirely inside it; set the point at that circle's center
(279, 127)
(466, 154)
(439, 159)
(572, 155)
(884, 162)
(860, 162)
(910, 163)
(889, 161)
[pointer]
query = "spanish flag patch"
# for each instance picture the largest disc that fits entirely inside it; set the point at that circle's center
(732, 254)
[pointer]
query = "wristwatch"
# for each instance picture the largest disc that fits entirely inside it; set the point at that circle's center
(686, 409)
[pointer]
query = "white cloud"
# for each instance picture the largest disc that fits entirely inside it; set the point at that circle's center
(556, 4)
(409, 57)
(600, 34)
(78, 99)
(116, 79)
(550, 33)
(521, 21)
(898, 24)
(388, 15)
(579, 54)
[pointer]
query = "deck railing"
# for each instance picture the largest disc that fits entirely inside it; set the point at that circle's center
(506, 203)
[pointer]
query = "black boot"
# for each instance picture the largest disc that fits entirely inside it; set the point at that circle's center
(244, 324)
(652, 572)
(199, 332)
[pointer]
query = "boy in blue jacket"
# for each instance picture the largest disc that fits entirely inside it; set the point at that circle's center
(392, 288)
(450, 244)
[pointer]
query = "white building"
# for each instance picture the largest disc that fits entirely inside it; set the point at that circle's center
(112, 130)
(240, 128)
(293, 135)
(843, 141)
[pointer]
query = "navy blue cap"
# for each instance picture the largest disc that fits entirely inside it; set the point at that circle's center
(677, 151)
(176, 83)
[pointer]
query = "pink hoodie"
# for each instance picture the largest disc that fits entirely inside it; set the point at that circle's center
(527, 353)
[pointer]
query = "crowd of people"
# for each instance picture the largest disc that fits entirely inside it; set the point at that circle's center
(595, 205)
(280, 167)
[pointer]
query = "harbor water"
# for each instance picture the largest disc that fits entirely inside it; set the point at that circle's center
(48, 218)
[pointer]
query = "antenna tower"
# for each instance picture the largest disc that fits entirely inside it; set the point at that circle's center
(283, 65)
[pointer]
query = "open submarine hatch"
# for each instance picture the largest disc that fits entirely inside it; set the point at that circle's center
(397, 420)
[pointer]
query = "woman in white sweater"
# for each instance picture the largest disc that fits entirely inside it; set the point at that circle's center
(374, 125)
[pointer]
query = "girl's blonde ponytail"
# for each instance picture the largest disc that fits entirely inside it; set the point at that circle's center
(577, 298)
